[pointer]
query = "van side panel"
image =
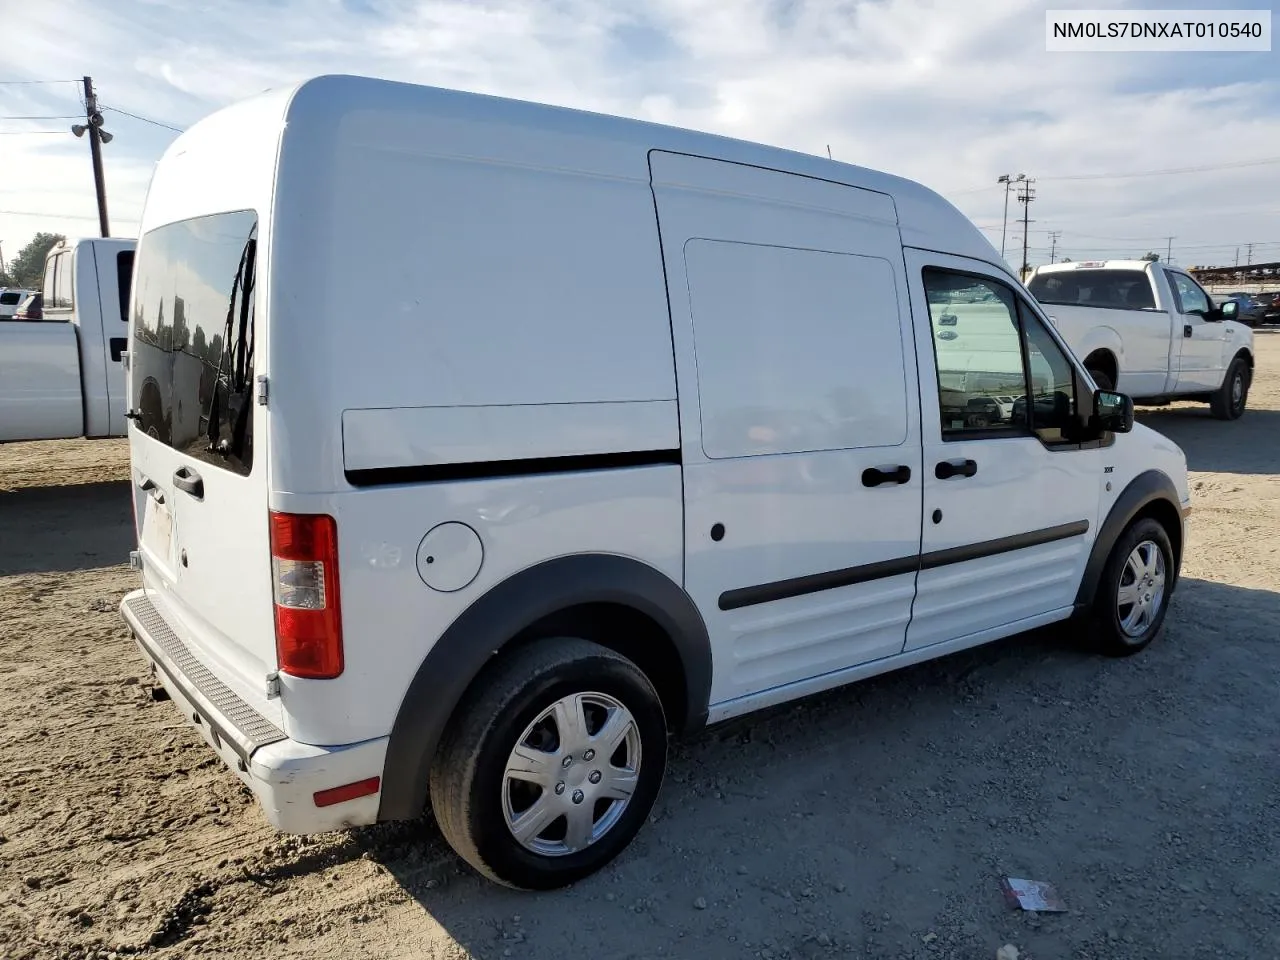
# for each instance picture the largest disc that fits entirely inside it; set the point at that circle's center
(428, 261)
(797, 373)
(392, 615)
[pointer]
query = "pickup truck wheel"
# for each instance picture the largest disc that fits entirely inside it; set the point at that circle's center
(1133, 596)
(1102, 379)
(1228, 401)
(551, 764)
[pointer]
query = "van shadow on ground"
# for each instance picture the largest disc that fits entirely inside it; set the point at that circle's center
(1248, 445)
(66, 528)
(862, 818)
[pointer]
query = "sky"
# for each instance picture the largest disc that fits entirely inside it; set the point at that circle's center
(949, 93)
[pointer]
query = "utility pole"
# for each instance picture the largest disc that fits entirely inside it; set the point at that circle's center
(1025, 198)
(1008, 180)
(97, 137)
(1249, 258)
(1168, 253)
(1237, 256)
(1053, 244)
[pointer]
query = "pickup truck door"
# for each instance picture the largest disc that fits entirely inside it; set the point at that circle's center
(1198, 344)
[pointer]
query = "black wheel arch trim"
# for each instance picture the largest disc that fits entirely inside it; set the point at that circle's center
(1143, 490)
(500, 615)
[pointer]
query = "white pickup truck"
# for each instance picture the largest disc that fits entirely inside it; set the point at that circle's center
(63, 376)
(1149, 330)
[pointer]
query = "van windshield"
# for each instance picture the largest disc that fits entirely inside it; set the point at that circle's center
(1118, 289)
(191, 363)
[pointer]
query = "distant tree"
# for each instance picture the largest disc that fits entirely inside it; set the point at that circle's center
(1151, 257)
(27, 268)
(1065, 260)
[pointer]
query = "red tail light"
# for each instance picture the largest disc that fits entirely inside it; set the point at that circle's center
(304, 570)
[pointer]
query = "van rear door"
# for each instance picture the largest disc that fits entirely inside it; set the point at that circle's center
(200, 484)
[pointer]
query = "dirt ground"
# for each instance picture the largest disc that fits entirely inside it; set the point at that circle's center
(872, 821)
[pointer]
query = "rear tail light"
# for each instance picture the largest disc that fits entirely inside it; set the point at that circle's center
(304, 571)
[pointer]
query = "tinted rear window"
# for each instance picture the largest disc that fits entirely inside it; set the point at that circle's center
(192, 355)
(1119, 289)
(11, 299)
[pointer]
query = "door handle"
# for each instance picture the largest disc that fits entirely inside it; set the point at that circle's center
(1186, 330)
(117, 345)
(149, 486)
(188, 481)
(955, 468)
(874, 476)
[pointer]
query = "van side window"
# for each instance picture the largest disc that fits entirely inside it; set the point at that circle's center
(1053, 388)
(192, 354)
(978, 352)
(797, 350)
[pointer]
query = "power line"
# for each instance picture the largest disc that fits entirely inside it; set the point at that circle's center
(158, 123)
(54, 216)
(24, 133)
(74, 116)
(7, 83)
(1235, 165)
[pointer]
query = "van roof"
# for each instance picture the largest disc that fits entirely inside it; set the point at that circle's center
(317, 107)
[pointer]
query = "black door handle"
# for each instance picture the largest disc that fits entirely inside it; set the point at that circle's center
(117, 345)
(149, 486)
(874, 476)
(1186, 330)
(188, 481)
(955, 468)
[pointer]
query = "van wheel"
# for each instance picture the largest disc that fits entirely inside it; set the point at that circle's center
(1133, 597)
(551, 764)
(1102, 379)
(1228, 401)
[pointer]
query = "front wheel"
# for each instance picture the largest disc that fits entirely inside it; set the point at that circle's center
(551, 764)
(1133, 597)
(1228, 401)
(1102, 380)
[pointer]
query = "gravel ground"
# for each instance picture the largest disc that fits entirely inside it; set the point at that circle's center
(873, 821)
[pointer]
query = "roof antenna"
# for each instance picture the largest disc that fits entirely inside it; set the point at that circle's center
(828, 151)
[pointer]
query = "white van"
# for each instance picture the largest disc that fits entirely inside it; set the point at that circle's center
(642, 430)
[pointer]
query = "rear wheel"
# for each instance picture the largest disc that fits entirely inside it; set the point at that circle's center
(1228, 401)
(1133, 597)
(551, 764)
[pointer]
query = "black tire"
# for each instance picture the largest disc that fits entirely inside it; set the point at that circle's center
(468, 784)
(1102, 379)
(1226, 403)
(1109, 634)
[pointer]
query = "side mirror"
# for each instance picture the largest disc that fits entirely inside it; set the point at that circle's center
(1228, 311)
(1112, 412)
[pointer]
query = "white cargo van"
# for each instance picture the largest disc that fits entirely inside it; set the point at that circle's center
(644, 429)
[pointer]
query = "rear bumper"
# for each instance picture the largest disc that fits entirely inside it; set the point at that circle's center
(283, 774)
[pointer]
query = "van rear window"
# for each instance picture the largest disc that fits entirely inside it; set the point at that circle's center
(11, 299)
(1118, 289)
(191, 362)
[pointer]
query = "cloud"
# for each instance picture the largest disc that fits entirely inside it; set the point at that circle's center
(949, 94)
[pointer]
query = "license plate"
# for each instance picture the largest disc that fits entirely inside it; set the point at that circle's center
(157, 528)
